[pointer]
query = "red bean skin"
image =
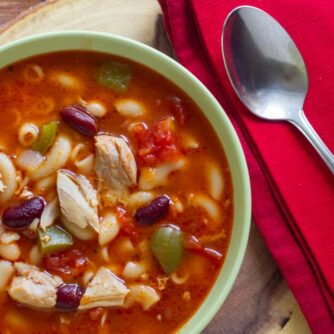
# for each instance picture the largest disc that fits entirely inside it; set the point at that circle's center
(153, 212)
(22, 215)
(68, 297)
(77, 118)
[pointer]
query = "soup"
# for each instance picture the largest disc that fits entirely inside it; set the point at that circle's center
(115, 196)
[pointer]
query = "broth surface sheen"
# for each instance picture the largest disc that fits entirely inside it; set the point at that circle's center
(177, 156)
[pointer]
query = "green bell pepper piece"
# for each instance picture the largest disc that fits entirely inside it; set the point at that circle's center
(115, 75)
(53, 239)
(167, 247)
(47, 137)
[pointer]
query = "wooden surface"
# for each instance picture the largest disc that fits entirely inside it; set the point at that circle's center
(260, 301)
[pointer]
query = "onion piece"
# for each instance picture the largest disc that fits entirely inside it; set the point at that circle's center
(29, 160)
(50, 214)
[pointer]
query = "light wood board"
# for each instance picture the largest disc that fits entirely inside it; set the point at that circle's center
(260, 301)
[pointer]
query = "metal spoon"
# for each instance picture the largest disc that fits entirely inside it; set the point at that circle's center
(268, 72)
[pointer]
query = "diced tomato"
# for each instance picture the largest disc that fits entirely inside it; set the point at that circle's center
(67, 264)
(178, 108)
(157, 143)
(128, 225)
(193, 244)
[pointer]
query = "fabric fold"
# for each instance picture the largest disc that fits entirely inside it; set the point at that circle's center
(293, 192)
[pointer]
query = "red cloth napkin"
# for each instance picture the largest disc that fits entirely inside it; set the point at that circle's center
(293, 191)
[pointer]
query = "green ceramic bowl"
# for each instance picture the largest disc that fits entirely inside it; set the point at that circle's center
(120, 46)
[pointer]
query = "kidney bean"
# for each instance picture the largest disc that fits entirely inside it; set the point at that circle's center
(77, 117)
(156, 210)
(69, 296)
(22, 215)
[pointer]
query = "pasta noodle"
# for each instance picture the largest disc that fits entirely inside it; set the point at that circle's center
(86, 165)
(109, 228)
(179, 279)
(43, 184)
(178, 204)
(66, 80)
(87, 277)
(55, 159)
(129, 108)
(124, 247)
(9, 237)
(6, 272)
(35, 257)
(29, 160)
(215, 181)
(96, 108)
(33, 73)
(151, 178)
(78, 151)
(82, 159)
(139, 198)
(44, 105)
(28, 134)
(10, 252)
(7, 178)
(206, 203)
(22, 185)
(133, 270)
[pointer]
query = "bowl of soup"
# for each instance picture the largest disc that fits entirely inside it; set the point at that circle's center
(124, 191)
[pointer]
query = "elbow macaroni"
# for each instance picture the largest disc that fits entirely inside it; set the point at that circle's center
(28, 134)
(7, 178)
(55, 159)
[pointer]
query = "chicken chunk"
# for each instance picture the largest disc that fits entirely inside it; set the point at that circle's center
(33, 287)
(105, 290)
(115, 164)
(142, 294)
(78, 200)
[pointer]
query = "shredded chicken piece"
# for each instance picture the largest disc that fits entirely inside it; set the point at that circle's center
(105, 290)
(115, 164)
(78, 200)
(33, 287)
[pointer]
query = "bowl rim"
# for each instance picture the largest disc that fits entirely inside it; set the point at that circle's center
(50, 42)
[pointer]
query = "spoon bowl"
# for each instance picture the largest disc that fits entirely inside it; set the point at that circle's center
(267, 71)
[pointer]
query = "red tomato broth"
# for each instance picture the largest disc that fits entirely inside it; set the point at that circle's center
(155, 92)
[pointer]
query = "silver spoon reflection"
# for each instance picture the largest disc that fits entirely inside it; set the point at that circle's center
(268, 72)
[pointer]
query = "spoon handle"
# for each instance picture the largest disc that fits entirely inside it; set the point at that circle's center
(302, 123)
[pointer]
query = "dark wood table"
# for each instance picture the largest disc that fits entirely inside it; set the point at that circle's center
(260, 301)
